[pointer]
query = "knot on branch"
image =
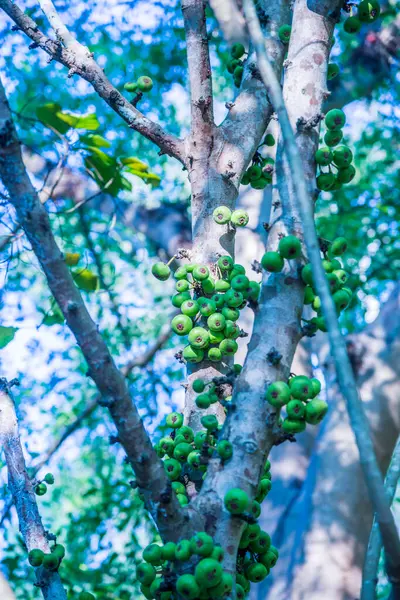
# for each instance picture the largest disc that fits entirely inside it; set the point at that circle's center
(203, 104)
(5, 386)
(256, 266)
(274, 357)
(303, 124)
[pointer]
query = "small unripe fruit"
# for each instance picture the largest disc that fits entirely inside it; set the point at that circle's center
(216, 322)
(231, 65)
(309, 295)
(182, 451)
(146, 573)
(346, 174)
(208, 285)
(49, 478)
(182, 285)
(338, 247)
(201, 544)
(254, 172)
(269, 140)
(187, 587)
(203, 400)
(225, 263)
(222, 286)
(50, 562)
(315, 387)
(230, 314)
(256, 572)
(239, 218)
(214, 354)
(183, 551)
(161, 271)
(341, 299)
(144, 83)
(240, 593)
(263, 488)
(237, 50)
(272, 262)
(199, 337)
(181, 273)
(254, 289)
(198, 385)
(222, 215)
(208, 573)
(293, 426)
(190, 308)
(300, 387)
(306, 274)
(240, 282)
(206, 306)
(236, 501)
(130, 86)
(173, 469)
(333, 71)
(238, 72)
(58, 550)
(35, 557)
(315, 411)
(325, 181)
(335, 119)
(167, 445)
(233, 298)
(194, 459)
(223, 588)
(323, 157)
(174, 420)
(333, 138)
(261, 544)
(228, 347)
(168, 550)
(178, 299)
(209, 422)
(181, 324)
(41, 489)
(352, 25)
(284, 33)
(342, 156)
(278, 394)
(193, 355)
(295, 410)
(200, 273)
(368, 11)
(225, 449)
(290, 247)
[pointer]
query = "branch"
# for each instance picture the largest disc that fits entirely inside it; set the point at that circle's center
(201, 95)
(110, 382)
(79, 60)
(251, 111)
(231, 20)
(140, 361)
(30, 523)
(344, 371)
(371, 562)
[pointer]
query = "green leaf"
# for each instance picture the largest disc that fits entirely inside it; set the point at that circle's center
(6, 335)
(94, 139)
(89, 121)
(48, 114)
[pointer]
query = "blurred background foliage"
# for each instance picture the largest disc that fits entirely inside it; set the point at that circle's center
(118, 221)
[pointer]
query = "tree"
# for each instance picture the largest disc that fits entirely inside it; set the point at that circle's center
(217, 160)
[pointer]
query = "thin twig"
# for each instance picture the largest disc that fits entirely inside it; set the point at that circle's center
(344, 371)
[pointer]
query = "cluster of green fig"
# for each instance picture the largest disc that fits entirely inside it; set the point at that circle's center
(185, 451)
(368, 11)
(289, 247)
(235, 64)
(164, 574)
(210, 303)
(50, 561)
(334, 156)
(41, 487)
(337, 278)
(259, 173)
(144, 83)
(299, 398)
